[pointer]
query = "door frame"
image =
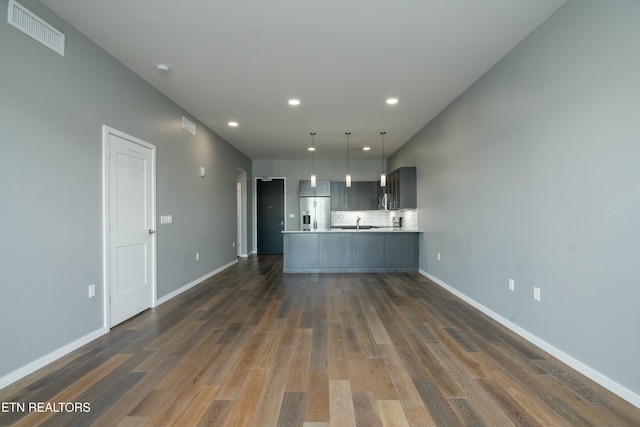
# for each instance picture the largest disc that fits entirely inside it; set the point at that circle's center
(255, 206)
(242, 243)
(106, 131)
(239, 188)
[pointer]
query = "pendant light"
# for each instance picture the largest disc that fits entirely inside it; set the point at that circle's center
(313, 160)
(348, 177)
(383, 175)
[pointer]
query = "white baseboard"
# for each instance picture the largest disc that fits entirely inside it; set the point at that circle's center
(192, 284)
(63, 351)
(589, 372)
(53, 356)
(244, 255)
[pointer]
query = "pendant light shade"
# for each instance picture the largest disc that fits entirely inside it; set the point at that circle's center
(348, 177)
(383, 175)
(313, 160)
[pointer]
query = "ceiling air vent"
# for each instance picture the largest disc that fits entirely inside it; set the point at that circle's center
(24, 20)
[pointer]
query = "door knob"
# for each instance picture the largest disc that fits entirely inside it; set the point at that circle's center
(151, 231)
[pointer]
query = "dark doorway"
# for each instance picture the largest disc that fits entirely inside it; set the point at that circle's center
(270, 221)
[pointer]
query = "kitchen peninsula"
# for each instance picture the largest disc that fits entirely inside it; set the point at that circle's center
(385, 249)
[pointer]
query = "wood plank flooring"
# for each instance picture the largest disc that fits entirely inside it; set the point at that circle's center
(254, 347)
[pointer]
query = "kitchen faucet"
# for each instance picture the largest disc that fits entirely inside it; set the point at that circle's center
(358, 223)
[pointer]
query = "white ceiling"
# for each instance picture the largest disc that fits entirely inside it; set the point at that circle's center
(243, 59)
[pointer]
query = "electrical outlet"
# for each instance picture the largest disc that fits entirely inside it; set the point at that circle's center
(197, 256)
(438, 256)
(512, 285)
(536, 293)
(92, 290)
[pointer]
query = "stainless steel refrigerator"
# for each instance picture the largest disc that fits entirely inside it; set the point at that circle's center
(315, 213)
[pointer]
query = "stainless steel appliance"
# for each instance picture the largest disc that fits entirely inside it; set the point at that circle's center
(382, 201)
(315, 206)
(315, 213)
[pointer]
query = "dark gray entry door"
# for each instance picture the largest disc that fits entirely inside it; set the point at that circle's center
(270, 222)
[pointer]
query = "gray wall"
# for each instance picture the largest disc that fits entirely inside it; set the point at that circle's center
(533, 174)
(51, 112)
(326, 170)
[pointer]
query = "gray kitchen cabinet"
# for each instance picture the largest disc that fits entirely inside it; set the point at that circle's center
(335, 250)
(369, 250)
(362, 195)
(350, 252)
(352, 196)
(301, 250)
(367, 195)
(401, 188)
(338, 196)
(402, 250)
(322, 189)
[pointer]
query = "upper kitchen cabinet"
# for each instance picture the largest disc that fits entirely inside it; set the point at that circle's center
(365, 195)
(361, 196)
(401, 189)
(322, 189)
(338, 196)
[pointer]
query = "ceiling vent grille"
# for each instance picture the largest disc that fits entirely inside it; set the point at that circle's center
(30, 24)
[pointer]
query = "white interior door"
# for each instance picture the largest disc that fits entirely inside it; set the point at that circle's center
(131, 227)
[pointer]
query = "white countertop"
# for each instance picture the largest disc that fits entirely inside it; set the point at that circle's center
(368, 230)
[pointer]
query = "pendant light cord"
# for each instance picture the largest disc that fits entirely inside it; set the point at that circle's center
(313, 153)
(313, 162)
(347, 133)
(384, 165)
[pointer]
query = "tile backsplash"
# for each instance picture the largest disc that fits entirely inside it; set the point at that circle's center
(381, 218)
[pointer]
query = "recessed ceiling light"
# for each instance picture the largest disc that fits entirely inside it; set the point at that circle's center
(163, 68)
(392, 101)
(294, 102)
(366, 148)
(233, 124)
(311, 148)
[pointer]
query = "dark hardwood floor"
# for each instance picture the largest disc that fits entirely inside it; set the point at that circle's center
(254, 347)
